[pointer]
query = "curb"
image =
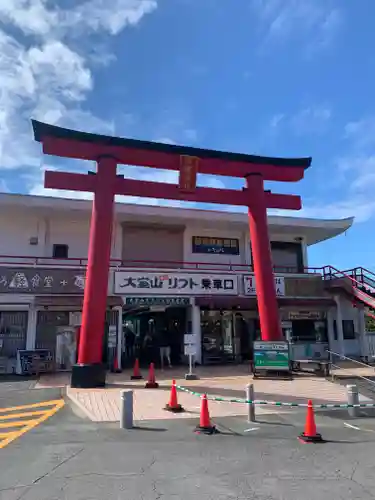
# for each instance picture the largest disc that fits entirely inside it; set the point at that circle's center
(76, 404)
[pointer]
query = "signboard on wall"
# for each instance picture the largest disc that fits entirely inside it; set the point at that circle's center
(250, 285)
(157, 301)
(311, 315)
(34, 362)
(271, 356)
(224, 246)
(41, 281)
(141, 283)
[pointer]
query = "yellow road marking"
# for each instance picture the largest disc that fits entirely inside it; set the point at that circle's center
(27, 425)
(6, 434)
(16, 423)
(34, 405)
(10, 416)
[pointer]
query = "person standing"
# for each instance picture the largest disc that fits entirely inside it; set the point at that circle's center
(164, 347)
(148, 348)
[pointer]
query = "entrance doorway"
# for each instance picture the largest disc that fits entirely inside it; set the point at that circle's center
(142, 332)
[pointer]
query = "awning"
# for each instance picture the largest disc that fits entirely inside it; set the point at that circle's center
(250, 303)
(75, 301)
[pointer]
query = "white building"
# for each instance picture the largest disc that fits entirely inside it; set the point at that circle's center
(202, 261)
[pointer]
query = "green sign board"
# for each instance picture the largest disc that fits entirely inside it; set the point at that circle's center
(157, 301)
(271, 356)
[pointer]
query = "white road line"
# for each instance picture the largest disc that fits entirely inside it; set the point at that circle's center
(252, 429)
(352, 426)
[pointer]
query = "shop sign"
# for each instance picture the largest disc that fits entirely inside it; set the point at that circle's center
(313, 315)
(271, 356)
(134, 283)
(224, 246)
(34, 362)
(41, 281)
(250, 285)
(157, 301)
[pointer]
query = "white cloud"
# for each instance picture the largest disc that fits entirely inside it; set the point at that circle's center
(3, 186)
(276, 120)
(353, 176)
(46, 75)
(39, 17)
(309, 120)
(361, 132)
(316, 22)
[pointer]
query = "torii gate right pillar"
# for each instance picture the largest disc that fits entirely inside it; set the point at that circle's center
(262, 260)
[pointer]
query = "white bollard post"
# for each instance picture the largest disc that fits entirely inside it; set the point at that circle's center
(126, 410)
(353, 399)
(250, 406)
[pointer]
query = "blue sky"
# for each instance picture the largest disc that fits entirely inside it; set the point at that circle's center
(273, 77)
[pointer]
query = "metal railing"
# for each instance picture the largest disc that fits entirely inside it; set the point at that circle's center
(352, 360)
(33, 261)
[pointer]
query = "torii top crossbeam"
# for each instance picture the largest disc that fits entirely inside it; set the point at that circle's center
(68, 143)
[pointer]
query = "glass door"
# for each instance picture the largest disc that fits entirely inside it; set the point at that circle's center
(217, 336)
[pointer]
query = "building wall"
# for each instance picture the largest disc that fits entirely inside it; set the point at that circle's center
(348, 312)
(157, 244)
(16, 231)
(71, 230)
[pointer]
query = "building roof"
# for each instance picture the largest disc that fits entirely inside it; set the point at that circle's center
(43, 130)
(313, 230)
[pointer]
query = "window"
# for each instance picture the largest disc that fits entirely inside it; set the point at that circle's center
(287, 257)
(348, 329)
(60, 251)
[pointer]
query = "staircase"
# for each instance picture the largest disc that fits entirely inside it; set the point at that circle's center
(358, 282)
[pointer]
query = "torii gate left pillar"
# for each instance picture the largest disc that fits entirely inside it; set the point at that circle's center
(107, 152)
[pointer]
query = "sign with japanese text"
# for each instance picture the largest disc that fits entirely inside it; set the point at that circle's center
(224, 246)
(134, 283)
(250, 285)
(34, 362)
(41, 281)
(157, 301)
(188, 173)
(271, 356)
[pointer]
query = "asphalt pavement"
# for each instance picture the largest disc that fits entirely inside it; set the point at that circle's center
(69, 457)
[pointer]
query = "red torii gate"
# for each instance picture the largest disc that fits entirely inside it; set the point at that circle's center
(107, 152)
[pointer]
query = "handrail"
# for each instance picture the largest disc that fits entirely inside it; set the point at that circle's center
(354, 361)
(13, 260)
(348, 358)
(364, 270)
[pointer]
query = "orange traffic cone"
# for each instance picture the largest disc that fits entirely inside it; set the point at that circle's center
(173, 405)
(310, 435)
(151, 382)
(136, 373)
(205, 426)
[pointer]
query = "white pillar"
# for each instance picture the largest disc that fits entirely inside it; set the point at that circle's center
(361, 323)
(304, 253)
(340, 333)
(31, 327)
(196, 330)
(330, 331)
(247, 249)
(119, 335)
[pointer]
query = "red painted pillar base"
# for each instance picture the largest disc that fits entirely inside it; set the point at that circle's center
(90, 372)
(262, 261)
